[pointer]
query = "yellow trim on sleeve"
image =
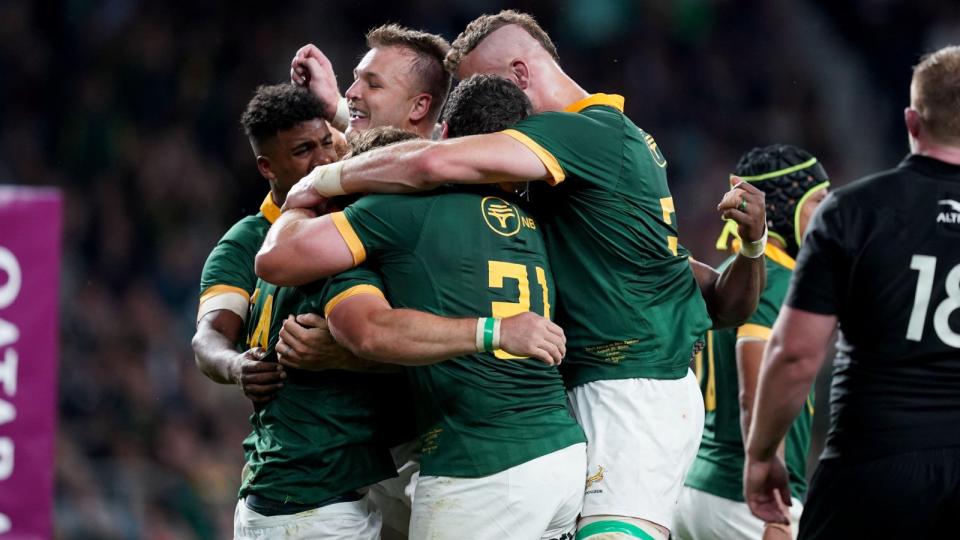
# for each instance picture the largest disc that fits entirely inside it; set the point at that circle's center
(269, 209)
(216, 290)
(779, 256)
(754, 331)
(342, 224)
(356, 290)
(549, 161)
(610, 100)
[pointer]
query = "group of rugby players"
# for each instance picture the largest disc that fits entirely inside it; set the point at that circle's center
(395, 297)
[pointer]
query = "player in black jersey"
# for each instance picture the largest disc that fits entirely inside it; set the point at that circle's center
(882, 258)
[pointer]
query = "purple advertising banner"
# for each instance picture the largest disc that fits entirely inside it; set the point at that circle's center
(30, 223)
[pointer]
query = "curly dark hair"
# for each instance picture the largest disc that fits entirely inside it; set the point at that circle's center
(277, 107)
(761, 167)
(485, 104)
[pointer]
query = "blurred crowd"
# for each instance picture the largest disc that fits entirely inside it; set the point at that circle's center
(132, 108)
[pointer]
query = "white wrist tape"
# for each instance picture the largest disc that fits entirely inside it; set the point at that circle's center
(755, 249)
(342, 119)
(326, 179)
(479, 338)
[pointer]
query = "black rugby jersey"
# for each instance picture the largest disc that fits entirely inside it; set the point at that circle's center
(883, 255)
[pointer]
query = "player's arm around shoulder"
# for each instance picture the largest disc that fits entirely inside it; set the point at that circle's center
(422, 165)
(369, 327)
(302, 247)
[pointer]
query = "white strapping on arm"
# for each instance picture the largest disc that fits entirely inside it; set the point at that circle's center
(231, 301)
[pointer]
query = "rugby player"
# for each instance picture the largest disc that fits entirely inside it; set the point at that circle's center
(289, 138)
(502, 456)
(711, 503)
(399, 82)
(881, 258)
(629, 302)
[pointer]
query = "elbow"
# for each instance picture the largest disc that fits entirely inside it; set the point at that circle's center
(269, 268)
(430, 168)
(799, 361)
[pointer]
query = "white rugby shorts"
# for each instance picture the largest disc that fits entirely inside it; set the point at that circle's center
(356, 520)
(705, 516)
(642, 437)
(539, 499)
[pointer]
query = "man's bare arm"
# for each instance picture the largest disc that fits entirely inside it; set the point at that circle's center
(793, 357)
(371, 329)
(749, 355)
(301, 248)
(423, 165)
(732, 296)
(214, 347)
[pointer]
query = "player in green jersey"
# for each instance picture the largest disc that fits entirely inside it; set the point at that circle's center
(712, 504)
(399, 82)
(494, 427)
(289, 138)
(323, 437)
(633, 309)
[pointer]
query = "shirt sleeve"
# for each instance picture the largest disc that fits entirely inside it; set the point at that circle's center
(760, 324)
(228, 278)
(379, 223)
(823, 263)
(360, 280)
(573, 145)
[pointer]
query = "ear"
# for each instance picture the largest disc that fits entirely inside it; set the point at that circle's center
(444, 131)
(265, 168)
(911, 117)
(420, 108)
(520, 73)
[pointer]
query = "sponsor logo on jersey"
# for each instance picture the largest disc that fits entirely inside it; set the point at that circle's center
(654, 150)
(502, 217)
(951, 213)
(594, 478)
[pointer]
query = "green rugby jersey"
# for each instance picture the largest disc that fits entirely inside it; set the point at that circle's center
(467, 253)
(628, 300)
(229, 267)
(718, 468)
(325, 433)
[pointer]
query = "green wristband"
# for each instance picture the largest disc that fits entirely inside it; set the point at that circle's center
(488, 326)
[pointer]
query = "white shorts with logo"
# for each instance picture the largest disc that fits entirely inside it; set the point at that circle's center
(356, 520)
(539, 499)
(642, 437)
(705, 516)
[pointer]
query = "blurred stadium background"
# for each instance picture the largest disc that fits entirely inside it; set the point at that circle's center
(132, 108)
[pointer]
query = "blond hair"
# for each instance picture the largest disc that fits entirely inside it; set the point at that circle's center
(484, 25)
(936, 87)
(429, 50)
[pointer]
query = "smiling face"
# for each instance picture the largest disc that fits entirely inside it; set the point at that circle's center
(292, 153)
(384, 91)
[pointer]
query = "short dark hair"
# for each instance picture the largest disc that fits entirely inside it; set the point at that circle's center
(377, 137)
(430, 51)
(484, 25)
(936, 81)
(485, 104)
(277, 107)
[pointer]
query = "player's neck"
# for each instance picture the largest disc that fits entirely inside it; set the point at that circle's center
(941, 152)
(563, 92)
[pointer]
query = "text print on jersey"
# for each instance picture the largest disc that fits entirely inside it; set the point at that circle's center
(502, 217)
(951, 214)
